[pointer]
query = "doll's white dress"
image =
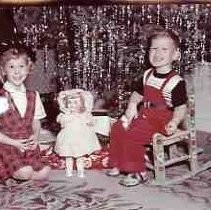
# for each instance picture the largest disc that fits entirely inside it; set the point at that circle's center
(77, 137)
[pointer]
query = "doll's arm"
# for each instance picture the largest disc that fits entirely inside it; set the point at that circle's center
(89, 119)
(60, 120)
(178, 116)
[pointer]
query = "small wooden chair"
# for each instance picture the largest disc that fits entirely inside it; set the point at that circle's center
(168, 144)
(160, 162)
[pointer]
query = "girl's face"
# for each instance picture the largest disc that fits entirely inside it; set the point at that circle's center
(162, 53)
(16, 70)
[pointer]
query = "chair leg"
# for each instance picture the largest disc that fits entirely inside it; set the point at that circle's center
(193, 155)
(159, 160)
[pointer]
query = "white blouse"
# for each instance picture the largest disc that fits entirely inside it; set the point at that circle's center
(20, 100)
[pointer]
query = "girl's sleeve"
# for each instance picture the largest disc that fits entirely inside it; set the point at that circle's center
(39, 108)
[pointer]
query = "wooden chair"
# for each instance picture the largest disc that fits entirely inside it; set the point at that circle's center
(164, 148)
(168, 144)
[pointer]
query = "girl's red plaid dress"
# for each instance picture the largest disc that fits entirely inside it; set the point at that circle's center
(17, 127)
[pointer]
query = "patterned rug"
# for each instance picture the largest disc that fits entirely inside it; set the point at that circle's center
(99, 192)
(61, 194)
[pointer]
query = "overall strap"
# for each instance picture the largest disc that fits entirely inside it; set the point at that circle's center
(171, 74)
(148, 75)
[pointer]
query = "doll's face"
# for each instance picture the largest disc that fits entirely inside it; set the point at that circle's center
(74, 103)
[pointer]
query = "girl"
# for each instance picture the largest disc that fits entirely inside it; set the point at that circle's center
(77, 136)
(164, 98)
(21, 111)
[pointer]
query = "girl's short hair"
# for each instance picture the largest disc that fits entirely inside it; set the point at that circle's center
(14, 53)
(14, 49)
(173, 35)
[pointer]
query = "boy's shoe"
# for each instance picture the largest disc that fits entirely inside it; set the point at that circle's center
(133, 179)
(113, 172)
(143, 177)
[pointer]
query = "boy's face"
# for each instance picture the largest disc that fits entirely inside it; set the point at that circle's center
(162, 53)
(16, 71)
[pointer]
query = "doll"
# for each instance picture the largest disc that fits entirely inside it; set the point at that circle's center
(77, 136)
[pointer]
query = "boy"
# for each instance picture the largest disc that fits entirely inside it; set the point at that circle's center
(163, 94)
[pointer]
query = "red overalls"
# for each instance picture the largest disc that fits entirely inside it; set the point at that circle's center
(16, 127)
(127, 146)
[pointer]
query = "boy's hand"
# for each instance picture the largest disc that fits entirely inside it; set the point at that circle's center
(125, 122)
(171, 127)
(131, 114)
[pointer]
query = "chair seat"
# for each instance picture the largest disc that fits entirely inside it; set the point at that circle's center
(179, 135)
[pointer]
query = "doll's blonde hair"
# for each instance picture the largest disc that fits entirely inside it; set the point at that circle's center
(86, 97)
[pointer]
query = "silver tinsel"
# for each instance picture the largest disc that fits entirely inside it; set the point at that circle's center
(109, 42)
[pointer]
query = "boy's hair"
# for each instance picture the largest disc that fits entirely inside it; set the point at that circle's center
(173, 35)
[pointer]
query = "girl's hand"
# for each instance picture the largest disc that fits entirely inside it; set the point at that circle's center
(171, 127)
(25, 144)
(21, 144)
(32, 143)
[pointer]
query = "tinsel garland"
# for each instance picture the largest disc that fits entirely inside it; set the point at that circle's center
(108, 43)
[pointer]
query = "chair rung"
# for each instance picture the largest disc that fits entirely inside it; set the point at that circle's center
(176, 160)
(199, 150)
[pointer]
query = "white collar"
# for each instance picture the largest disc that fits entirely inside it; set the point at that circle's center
(13, 89)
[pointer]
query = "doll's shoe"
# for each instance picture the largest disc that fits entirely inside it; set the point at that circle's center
(113, 172)
(81, 174)
(69, 173)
